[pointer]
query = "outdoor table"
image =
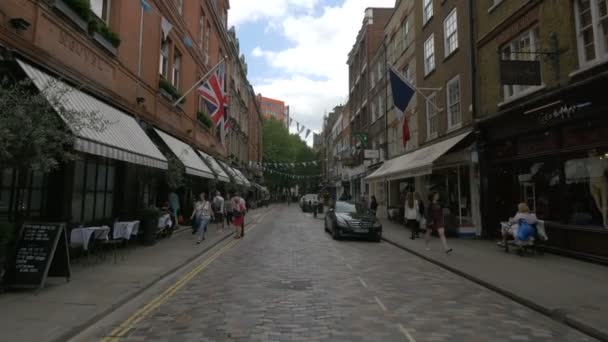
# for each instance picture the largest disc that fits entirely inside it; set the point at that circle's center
(125, 229)
(79, 237)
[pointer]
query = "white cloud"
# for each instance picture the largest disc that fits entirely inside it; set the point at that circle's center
(242, 11)
(316, 74)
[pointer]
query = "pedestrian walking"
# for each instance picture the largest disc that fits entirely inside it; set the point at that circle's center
(373, 206)
(228, 210)
(238, 215)
(421, 213)
(435, 222)
(412, 215)
(218, 210)
(203, 214)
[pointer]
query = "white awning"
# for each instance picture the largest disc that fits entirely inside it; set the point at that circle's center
(415, 163)
(122, 138)
(243, 178)
(193, 164)
(221, 175)
(232, 173)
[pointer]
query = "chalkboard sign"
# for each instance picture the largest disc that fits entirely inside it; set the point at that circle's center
(42, 250)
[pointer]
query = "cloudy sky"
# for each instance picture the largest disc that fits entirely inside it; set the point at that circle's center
(296, 50)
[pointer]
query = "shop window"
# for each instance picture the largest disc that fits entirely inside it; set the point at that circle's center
(522, 48)
(454, 188)
(25, 194)
(6, 191)
(586, 189)
(93, 191)
(592, 30)
(429, 55)
(101, 8)
(450, 32)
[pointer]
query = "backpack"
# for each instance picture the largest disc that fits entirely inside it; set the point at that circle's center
(525, 231)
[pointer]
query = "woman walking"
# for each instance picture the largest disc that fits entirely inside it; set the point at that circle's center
(238, 215)
(373, 206)
(412, 215)
(204, 214)
(435, 220)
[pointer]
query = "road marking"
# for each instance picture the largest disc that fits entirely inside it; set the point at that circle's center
(143, 312)
(349, 266)
(362, 282)
(406, 333)
(380, 303)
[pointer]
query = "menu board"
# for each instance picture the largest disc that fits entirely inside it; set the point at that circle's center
(42, 250)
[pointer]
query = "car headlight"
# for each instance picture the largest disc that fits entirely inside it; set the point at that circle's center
(341, 222)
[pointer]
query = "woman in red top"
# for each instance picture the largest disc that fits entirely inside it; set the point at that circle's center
(435, 222)
(238, 215)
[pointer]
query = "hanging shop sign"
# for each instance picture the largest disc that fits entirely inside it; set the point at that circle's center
(520, 72)
(371, 154)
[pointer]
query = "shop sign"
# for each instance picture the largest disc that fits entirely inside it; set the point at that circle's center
(371, 154)
(520, 72)
(561, 113)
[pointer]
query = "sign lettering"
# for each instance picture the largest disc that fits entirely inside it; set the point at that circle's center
(80, 50)
(561, 113)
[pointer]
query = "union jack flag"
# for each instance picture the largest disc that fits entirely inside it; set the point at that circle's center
(214, 94)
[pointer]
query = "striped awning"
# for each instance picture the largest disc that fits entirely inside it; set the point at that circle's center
(122, 138)
(243, 178)
(232, 173)
(192, 162)
(221, 175)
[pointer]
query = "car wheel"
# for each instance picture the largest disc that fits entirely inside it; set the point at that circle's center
(325, 226)
(334, 233)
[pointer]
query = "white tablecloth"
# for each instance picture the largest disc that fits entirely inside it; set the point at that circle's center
(80, 236)
(124, 230)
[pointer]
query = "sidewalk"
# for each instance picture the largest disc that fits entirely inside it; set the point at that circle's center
(568, 290)
(98, 287)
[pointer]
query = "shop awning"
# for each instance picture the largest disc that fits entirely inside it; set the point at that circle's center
(232, 173)
(122, 138)
(221, 175)
(415, 163)
(193, 164)
(243, 178)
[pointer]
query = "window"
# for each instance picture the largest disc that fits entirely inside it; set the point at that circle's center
(592, 30)
(427, 11)
(520, 48)
(373, 111)
(407, 73)
(101, 8)
(429, 55)
(431, 116)
(93, 191)
(180, 6)
(380, 76)
(380, 107)
(406, 33)
(201, 32)
(450, 30)
(177, 61)
(373, 78)
(453, 98)
(164, 58)
(207, 43)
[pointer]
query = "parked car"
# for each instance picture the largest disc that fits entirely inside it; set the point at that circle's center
(307, 201)
(344, 220)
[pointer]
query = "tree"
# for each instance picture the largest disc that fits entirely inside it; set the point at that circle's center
(37, 128)
(282, 147)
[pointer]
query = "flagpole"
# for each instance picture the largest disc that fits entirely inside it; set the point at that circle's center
(415, 88)
(201, 80)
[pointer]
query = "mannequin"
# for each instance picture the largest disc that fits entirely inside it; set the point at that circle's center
(597, 166)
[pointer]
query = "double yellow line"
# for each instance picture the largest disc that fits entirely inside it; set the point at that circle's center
(127, 325)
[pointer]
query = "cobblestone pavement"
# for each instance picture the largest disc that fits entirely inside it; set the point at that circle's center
(287, 280)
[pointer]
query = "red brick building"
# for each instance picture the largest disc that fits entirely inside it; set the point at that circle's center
(272, 108)
(163, 49)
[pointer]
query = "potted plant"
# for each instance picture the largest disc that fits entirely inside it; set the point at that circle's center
(149, 224)
(168, 90)
(204, 119)
(78, 11)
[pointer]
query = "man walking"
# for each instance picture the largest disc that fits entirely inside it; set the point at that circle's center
(218, 209)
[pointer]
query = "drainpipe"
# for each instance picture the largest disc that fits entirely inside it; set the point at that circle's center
(386, 183)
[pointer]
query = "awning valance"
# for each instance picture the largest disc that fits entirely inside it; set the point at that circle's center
(122, 138)
(415, 163)
(217, 169)
(243, 178)
(192, 162)
(232, 173)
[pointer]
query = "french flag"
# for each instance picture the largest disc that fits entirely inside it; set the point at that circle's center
(403, 92)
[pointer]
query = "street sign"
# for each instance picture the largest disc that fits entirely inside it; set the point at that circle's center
(520, 72)
(371, 154)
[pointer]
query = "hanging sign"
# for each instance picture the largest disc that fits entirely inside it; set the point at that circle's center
(371, 154)
(520, 72)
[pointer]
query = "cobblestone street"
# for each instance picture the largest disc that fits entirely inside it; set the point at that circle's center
(288, 280)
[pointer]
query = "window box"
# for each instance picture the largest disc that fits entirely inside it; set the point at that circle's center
(204, 120)
(78, 11)
(168, 91)
(104, 36)
(104, 42)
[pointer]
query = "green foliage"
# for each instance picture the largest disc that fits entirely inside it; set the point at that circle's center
(108, 34)
(37, 128)
(282, 147)
(204, 119)
(175, 173)
(81, 7)
(169, 88)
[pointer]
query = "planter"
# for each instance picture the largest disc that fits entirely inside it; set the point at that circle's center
(166, 95)
(70, 14)
(149, 224)
(101, 40)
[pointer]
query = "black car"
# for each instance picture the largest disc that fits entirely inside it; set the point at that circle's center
(345, 220)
